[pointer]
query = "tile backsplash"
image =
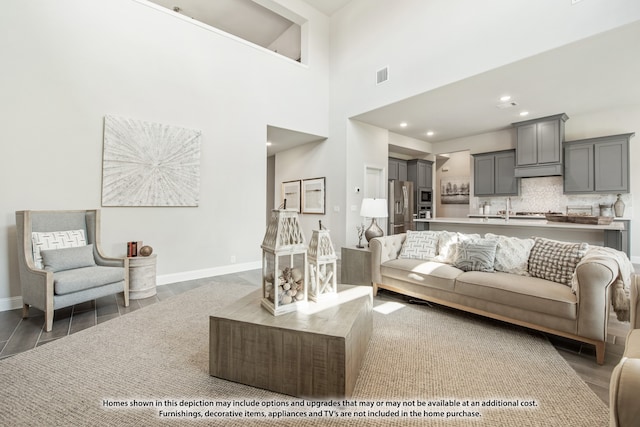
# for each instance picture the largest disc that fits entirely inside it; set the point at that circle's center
(545, 194)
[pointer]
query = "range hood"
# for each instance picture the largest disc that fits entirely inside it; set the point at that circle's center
(539, 146)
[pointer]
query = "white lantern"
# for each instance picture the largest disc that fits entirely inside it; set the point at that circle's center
(284, 263)
(322, 266)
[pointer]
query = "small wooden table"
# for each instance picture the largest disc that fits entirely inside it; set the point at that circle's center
(142, 276)
(316, 351)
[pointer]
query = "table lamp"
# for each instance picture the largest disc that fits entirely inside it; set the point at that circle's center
(374, 208)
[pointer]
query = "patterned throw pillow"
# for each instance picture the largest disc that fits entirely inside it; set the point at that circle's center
(555, 261)
(476, 255)
(55, 240)
(447, 245)
(420, 245)
(512, 254)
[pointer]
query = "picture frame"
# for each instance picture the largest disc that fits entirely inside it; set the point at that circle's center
(455, 190)
(291, 193)
(313, 196)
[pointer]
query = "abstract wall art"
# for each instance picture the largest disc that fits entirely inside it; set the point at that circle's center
(149, 164)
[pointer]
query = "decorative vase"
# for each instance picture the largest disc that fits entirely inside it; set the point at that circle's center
(618, 207)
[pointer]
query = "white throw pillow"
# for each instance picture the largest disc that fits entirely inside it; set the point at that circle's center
(55, 240)
(447, 245)
(420, 245)
(512, 254)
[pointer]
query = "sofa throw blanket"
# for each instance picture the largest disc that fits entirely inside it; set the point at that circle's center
(621, 285)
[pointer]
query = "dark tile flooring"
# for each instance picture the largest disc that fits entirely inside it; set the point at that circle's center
(18, 335)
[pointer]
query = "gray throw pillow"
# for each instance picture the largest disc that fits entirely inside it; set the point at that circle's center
(68, 258)
(476, 255)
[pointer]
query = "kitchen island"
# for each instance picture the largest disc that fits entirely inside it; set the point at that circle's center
(610, 235)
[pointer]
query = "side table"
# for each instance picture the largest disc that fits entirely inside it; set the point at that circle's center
(355, 266)
(142, 276)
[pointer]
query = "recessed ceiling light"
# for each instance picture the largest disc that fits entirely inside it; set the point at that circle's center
(268, 143)
(505, 98)
(524, 113)
(403, 124)
(430, 133)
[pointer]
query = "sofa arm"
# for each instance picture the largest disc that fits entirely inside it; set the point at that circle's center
(594, 280)
(624, 386)
(383, 249)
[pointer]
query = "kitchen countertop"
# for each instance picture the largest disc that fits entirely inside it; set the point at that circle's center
(523, 223)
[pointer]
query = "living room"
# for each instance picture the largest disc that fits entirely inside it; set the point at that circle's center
(69, 64)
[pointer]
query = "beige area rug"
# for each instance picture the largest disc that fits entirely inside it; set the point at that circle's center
(427, 360)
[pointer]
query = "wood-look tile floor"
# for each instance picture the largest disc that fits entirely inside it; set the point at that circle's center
(18, 335)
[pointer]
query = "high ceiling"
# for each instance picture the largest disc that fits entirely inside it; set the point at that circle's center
(595, 74)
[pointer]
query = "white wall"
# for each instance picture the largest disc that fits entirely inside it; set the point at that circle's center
(66, 64)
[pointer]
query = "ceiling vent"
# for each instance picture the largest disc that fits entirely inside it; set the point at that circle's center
(382, 75)
(508, 104)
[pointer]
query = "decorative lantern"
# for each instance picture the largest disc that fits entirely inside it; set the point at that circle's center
(284, 263)
(322, 266)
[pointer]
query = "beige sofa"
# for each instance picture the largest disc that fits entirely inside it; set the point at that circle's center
(519, 299)
(624, 387)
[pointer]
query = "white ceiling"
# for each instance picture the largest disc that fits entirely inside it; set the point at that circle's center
(594, 74)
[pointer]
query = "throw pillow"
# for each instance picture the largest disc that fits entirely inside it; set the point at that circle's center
(68, 258)
(447, 245)
(55, 240)
(555, 261)
(420, 245)
(476, 255)
(512, 254)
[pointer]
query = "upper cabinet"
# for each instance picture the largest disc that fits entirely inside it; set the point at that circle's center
(599, 165)
(397, 169)
(539, 146)
(421, 173)
(494, 174)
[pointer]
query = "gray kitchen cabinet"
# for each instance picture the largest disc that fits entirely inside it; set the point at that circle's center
(599, 165)
(494, 174)
(397, 169)
(539, 146)
(420, 172)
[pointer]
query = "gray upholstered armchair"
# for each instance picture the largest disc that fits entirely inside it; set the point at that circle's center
(61, 262)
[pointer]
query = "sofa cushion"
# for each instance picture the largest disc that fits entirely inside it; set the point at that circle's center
(68, 258)
(420, 245)
(554, 260)
(527, 293)
(68, 281)
(475, 255)
(55, 240)
(428, 273)
(512, 254)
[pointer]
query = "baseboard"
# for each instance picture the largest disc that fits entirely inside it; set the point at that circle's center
(635, 259)
(12, 303)
(166, 279)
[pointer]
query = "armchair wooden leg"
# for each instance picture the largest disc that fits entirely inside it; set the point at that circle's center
(48, 318)
(25, 311)
(600, 346)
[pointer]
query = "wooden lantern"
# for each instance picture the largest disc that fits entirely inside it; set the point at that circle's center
(322, 266)
(284, 263)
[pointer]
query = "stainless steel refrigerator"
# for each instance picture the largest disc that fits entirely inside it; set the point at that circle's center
(400, 206)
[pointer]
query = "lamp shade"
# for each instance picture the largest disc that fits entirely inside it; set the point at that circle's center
(374, 208)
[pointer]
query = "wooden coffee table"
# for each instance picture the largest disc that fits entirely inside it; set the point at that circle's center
(313, 352)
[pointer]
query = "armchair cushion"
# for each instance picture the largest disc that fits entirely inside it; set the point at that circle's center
(68, 281)
(68, 258)
(55, 240)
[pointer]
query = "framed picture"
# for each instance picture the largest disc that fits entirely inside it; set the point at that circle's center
(454, 191)
(313, 196)
(291, 194)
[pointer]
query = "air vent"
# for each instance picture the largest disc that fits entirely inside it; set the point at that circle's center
(382, 75)
(508, 104)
